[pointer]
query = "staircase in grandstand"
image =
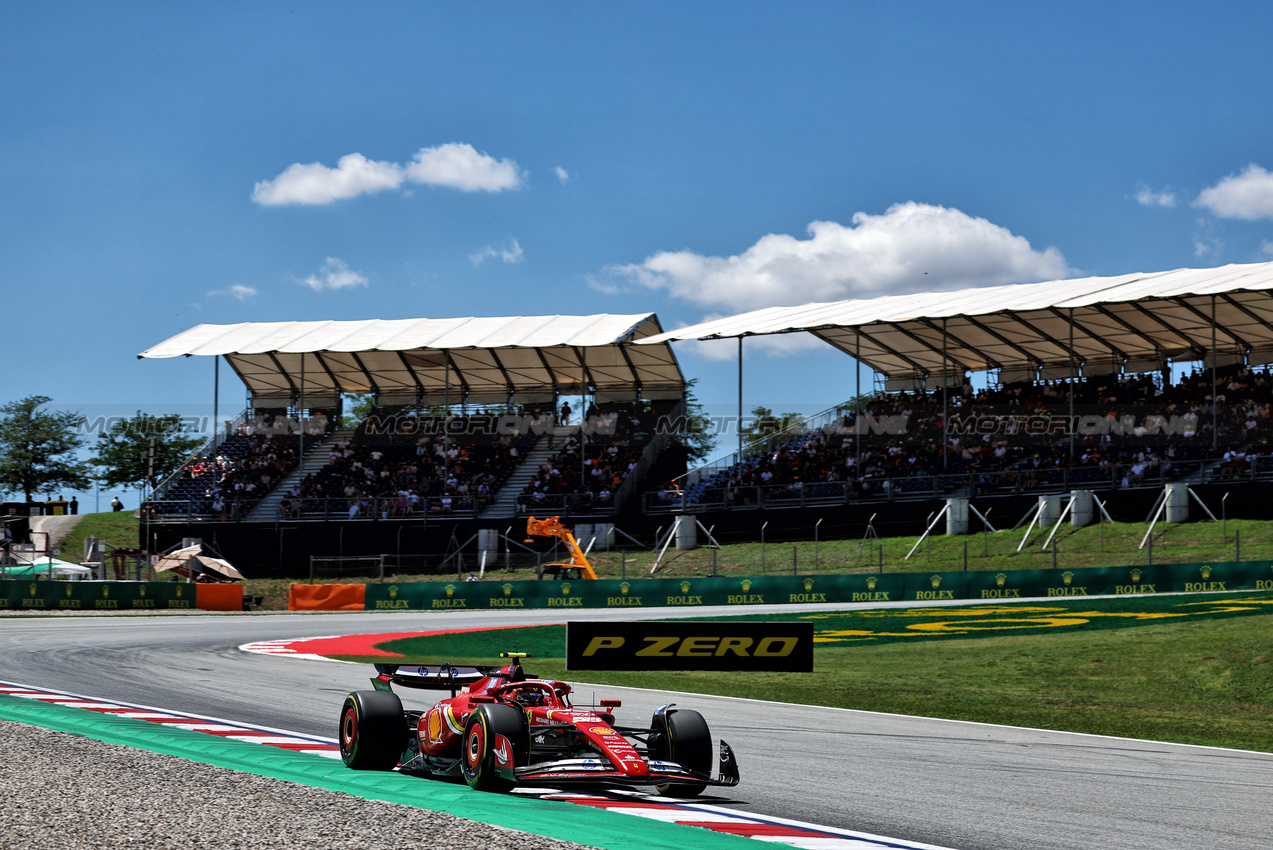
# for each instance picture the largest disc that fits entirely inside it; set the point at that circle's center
(505, 502)
(267, 510)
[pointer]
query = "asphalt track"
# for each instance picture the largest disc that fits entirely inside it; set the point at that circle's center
(958, 785)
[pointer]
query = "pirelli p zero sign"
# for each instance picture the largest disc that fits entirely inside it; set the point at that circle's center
(690, 645)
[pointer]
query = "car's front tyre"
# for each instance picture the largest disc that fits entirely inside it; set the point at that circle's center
(682, 736)
(487, 765)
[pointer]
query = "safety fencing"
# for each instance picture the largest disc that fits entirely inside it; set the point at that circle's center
(871, 587)
(118, 595)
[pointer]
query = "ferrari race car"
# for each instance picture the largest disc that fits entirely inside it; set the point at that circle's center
(501, 727)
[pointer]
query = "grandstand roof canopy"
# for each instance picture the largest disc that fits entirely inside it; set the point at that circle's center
(1132, 322)
(477, 360)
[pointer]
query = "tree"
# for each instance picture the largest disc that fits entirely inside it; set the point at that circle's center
(123, 452)
(768, 429)
(357, 407)
(694, 431)
(37, 448)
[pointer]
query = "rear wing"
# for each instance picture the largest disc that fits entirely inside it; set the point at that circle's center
(435, 677)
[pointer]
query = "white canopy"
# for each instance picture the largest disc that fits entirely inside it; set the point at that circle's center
(1133, 322)
(30, 564)
(433, 361)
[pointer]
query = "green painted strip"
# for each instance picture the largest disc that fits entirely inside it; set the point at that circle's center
(566, 821)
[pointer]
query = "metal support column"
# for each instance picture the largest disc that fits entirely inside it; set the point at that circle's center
(1215, 403)
(945, 399)
(739, 424)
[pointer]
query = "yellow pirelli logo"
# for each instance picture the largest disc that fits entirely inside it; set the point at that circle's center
(698, 647)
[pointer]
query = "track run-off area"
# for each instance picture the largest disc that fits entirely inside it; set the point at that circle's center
(811, 777)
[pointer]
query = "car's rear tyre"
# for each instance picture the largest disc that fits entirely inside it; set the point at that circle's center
(682, 736)
(373, 733)
(477, 756)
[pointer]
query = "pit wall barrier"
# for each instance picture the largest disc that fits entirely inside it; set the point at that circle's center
(771, 590)
(118, 595)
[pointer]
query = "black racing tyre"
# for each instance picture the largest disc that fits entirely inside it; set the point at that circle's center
(477, 756)
(682, 736)
(373, 733)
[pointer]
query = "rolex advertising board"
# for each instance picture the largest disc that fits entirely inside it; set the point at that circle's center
(96, 595)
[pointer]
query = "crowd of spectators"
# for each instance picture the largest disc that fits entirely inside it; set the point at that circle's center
(244, 468)
(1128, 430)
(594, 461)
(403, 465)
(400, 463)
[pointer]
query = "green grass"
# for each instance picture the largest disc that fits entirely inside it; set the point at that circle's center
(1114, 544)
(1199, 675)
(118, 528)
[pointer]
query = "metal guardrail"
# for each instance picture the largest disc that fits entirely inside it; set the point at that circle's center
(1041, 482)
(386, 508)
(371, 508)
(208, 447)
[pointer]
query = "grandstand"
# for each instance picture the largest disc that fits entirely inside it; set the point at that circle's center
(1080, 391)
(1112, 384)
(423, 451)
(1123, 432)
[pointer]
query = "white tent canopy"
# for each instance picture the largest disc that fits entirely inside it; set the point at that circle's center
(436, 361)
(30, 564)
(1132, 322)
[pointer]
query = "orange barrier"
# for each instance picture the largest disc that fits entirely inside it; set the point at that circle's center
(327, 597)
(219, 597)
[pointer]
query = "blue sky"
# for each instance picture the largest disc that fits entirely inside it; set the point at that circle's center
(164, 165)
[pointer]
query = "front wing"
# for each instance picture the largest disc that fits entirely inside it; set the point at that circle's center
(601, 770)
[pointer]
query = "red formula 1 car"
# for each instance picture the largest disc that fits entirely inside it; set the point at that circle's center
(501, 727)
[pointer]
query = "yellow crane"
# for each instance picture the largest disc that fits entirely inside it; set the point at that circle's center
(552, 527)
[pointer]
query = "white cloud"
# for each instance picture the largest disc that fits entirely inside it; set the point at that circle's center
(456, 165)
(911, 247)
(317, 184)
(1206, 246)
(461, 167)
(562, 174)
(1248, 195)
(334, 274)
(771, 345)
(506, 254)
(238, 290)
(1266, 247)
(607, 282)
(1147, 197)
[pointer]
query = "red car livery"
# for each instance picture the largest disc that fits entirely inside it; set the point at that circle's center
(501, 727)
